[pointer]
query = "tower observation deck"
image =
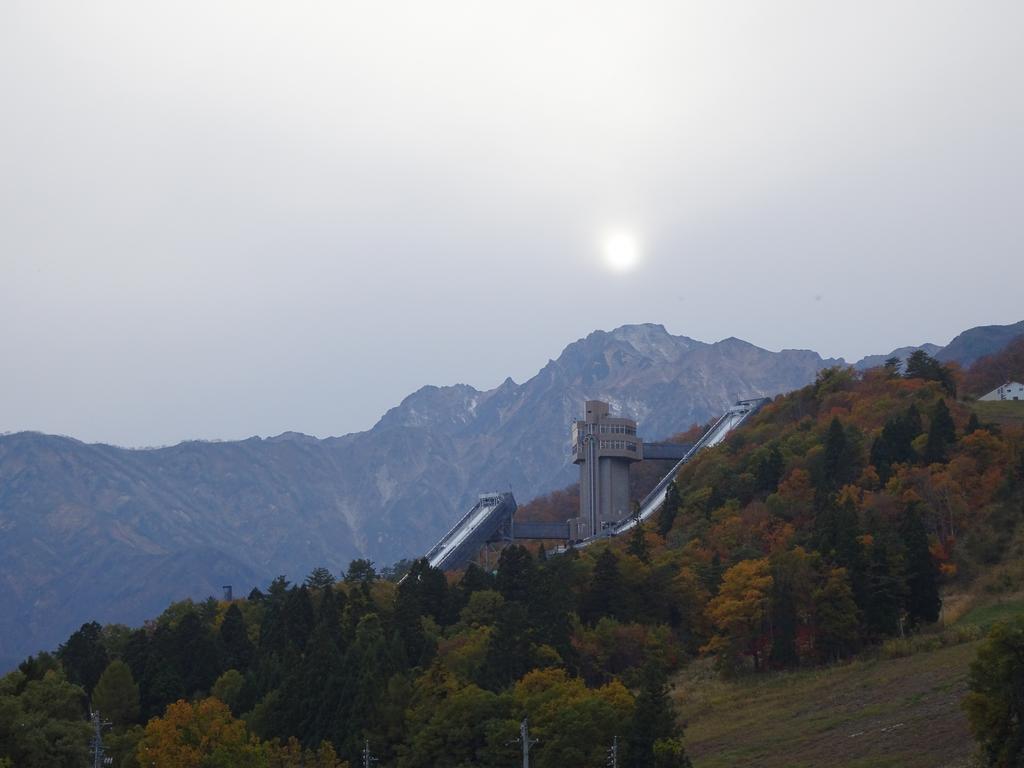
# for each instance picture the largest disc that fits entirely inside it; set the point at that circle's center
(603, 447)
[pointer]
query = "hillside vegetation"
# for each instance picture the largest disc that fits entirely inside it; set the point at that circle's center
(826, 530)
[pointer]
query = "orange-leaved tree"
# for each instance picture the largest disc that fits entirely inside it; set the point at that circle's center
(198, 734)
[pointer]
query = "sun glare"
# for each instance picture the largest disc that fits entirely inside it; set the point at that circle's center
(621, 251)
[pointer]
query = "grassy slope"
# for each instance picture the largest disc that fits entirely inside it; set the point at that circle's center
(1005, 412)
(894, 712)
(899, 712)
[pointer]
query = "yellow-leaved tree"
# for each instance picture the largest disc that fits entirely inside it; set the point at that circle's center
(195, 734)
(739, 612)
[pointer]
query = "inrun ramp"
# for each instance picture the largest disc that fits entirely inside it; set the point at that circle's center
(730, 420)
(464, 540)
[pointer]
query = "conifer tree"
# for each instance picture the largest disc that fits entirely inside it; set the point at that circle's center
(236, 648)
(923, 601)
(921, 365)
(768, 470)
(834, 466)
(836, 617)
(195, 651)
(116, 695)
(895, 444)
(941, 433)
(515, 573)
(84, 657)
(638, 543)
(510, 653)
(654, 721)
(669, 509)
(329, 613)
(886, 581)
(973, 425)
(319, 578)
(552, 603)
(368, 666)
(605, 596)
(424, 592)
(298, 616)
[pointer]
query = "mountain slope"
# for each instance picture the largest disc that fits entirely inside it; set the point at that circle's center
(94, 531)
(980, 341)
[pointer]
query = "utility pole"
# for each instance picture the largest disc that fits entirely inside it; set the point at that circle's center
(613, 753)
(368, 759)
(525, 741)
(98, 724)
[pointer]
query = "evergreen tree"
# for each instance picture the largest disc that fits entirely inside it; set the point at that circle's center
(361, 573)
(84, 656)
(424, 592)
(330, 612)
(34, 667)
(941, 434)
(299, 617)
(669, 509)
(162, 682)
(516, 571)
(605, 596)
(895, 444)
(973, 425)
(886, 582)
(638, 544)
(835, 466)
(475, 579)
(136, 653)
(368, 666)
(923, 601)
(116, 695)
(653, 719)
(892, 367)
(552, 604)
(235, 646)
(195, 652)
(510, 653)
(782, 608)
(836, 617)
(768, 470)
(319, 578)
(921, 365)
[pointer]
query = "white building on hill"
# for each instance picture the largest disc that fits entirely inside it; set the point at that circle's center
(1011, 390)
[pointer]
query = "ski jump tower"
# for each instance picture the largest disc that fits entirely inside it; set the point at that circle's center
(603, 446)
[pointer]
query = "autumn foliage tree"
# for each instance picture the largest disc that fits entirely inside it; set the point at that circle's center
(739, 613)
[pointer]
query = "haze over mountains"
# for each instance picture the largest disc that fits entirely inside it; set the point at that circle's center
(112, 534)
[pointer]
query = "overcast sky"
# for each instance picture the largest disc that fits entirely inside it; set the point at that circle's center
(220, 219)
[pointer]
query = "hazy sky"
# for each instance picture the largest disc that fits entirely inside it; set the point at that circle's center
(220, 219)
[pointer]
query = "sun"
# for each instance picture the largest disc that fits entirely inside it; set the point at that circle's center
(621, 251)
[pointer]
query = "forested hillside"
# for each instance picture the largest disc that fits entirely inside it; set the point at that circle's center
(99, 532)
(834, 521)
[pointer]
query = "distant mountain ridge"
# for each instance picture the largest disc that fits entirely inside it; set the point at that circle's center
(964, 349)
(106, 533)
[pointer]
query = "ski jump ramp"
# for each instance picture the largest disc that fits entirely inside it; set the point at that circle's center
(491, 517)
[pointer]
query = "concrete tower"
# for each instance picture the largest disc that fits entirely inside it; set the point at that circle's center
(603, 446)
